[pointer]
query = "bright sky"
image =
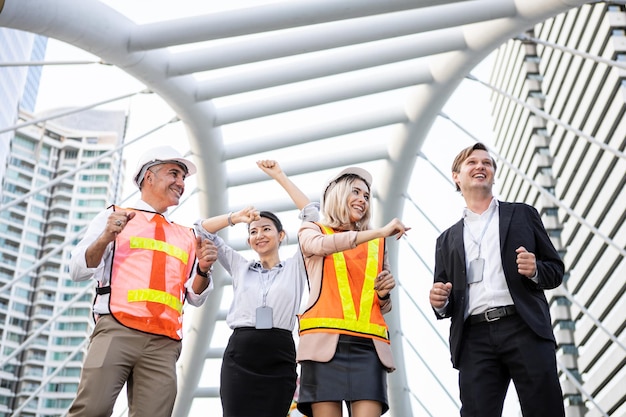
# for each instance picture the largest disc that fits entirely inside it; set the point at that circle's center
(82, 85)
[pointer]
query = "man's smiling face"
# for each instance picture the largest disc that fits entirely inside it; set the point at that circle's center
(476, 173)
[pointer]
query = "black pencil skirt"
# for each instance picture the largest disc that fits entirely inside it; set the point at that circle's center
(258, 373)
(354, 373)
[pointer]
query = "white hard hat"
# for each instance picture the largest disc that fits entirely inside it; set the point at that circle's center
(359, 172)
(161, 155)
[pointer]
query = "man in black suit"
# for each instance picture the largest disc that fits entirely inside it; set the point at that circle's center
(490, 272)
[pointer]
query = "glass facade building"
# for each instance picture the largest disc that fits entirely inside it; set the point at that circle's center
(19, 85)
(584, 174)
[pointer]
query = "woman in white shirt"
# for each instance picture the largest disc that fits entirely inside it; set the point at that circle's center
(258, 376)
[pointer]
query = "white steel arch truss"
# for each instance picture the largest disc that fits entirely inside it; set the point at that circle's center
(244, 64)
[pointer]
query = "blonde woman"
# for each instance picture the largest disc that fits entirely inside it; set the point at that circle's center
(344, 349)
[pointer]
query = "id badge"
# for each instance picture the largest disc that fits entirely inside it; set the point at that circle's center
(476, 268)
(264, 318)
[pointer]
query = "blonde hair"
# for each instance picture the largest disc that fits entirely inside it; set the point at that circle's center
(335, 209)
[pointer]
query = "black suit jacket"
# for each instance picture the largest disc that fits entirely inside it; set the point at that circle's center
(520, 225)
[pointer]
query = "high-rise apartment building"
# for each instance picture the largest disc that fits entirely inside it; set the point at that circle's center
(574, 150)
(45, 318)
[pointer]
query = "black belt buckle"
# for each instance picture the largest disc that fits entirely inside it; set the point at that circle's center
(489, 318)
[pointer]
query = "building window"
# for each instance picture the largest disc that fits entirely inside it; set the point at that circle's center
(94, 178)
(91, 203)
(52, 135)
(24, 143)
(45, 172)
(15, 337)
(59, 403)
(22, 293)
(20, 308)
(93, 190)
(18, 322)
(70, 372)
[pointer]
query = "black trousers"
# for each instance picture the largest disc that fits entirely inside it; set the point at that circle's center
(495, 353)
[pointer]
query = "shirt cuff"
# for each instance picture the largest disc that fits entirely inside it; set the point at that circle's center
(202, 232)
(310, 212)
(442, 311)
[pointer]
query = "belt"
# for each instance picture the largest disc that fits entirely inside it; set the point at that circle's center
(492, 314)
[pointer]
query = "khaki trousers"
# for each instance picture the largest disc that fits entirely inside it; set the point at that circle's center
(119, 355)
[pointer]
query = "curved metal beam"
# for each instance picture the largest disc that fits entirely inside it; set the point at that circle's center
(265, 18)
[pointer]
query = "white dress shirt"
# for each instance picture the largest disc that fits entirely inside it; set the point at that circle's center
(492, 290)
(282, 286)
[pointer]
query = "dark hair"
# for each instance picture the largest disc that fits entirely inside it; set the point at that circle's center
(273, 218)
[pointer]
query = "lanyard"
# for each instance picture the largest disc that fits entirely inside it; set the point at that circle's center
(480, 240)
(267, 279)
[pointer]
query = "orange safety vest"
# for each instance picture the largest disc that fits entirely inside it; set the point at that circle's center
(348, 282)
(130, 292)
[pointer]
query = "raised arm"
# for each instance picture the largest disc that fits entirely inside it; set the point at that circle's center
(394, 228)
(216, 223)
(272, 168)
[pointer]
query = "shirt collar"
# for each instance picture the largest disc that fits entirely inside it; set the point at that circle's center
(256, 266)
(470, 215)
(142, 205)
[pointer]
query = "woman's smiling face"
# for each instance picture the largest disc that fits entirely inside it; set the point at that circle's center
(263, 236)
(358, 200)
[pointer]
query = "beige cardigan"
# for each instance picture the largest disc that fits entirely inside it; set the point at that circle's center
(315, 245)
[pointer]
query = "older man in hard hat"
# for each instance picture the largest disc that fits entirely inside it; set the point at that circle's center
(146, 268)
